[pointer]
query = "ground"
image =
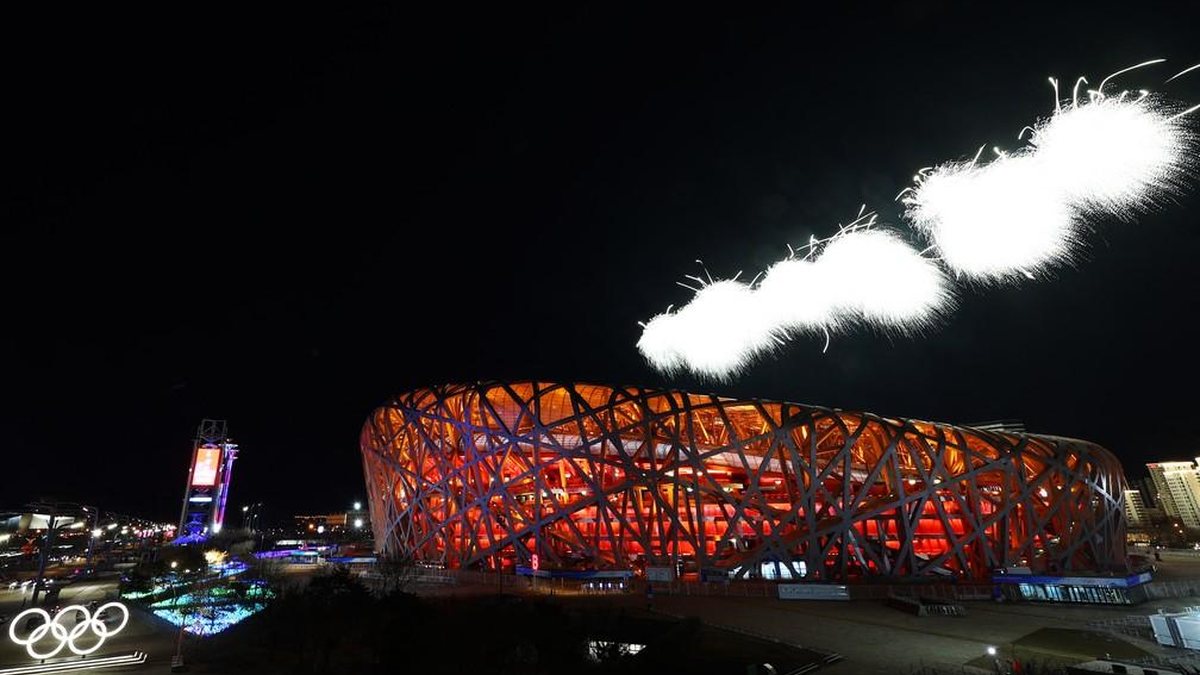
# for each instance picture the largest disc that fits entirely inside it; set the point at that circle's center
(874, 638)
(870, 637)
(145, 632)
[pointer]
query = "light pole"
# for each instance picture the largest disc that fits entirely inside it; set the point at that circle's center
(95, 513)
(40, 579)
(250, 513)
(175, 605)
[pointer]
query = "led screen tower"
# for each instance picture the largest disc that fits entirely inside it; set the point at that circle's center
(208, 480)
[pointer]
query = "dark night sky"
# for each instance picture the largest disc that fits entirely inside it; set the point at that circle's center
(282, 218)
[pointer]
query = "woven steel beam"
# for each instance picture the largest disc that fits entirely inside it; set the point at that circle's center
(488, 474)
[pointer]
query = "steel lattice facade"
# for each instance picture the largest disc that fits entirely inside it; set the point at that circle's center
(592, 477)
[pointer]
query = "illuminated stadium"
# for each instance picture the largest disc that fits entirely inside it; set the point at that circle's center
(487, 475)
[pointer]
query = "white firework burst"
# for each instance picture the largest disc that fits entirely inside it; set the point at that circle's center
(716, 335)
(992, 222)
(1115, 155)
(861, 275)
(1024, 213)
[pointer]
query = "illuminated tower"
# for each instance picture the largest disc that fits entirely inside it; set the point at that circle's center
(208, 480)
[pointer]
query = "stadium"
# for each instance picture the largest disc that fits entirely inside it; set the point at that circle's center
(585, 477)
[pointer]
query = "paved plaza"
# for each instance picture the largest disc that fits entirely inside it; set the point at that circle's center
(144, 631)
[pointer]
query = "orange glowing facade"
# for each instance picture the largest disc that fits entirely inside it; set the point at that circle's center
(589, 477)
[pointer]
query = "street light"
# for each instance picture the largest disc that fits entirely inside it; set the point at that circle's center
(991, 651)
(358, 506)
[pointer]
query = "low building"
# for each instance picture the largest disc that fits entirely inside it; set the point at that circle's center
(22, 522)
(350, 522)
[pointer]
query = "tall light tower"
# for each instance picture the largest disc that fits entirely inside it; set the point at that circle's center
(207, 490)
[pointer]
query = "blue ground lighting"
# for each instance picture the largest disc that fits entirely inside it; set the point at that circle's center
(210, 620)
(200, 607)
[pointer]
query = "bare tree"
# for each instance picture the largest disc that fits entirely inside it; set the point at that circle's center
(397, 574)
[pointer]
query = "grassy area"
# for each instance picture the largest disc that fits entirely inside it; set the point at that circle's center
(335, 626)
(720, 651)
(1063, 646)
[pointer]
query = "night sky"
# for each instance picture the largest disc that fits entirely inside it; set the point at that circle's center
(282, 218)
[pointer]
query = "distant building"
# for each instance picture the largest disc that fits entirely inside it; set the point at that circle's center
(21, 522)
(1136, 512)
(1162, 493)
(1178, 488)
(1149, 492)
(352, 521)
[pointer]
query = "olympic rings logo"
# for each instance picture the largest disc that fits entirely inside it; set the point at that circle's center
(55, 628)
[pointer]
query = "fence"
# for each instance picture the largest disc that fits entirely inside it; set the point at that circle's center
(1161, 590)
(767, 589)
(1178, 553)
(1133, 625)
(958, 592)
(921, 607)
(739, 588)
(1186, 663)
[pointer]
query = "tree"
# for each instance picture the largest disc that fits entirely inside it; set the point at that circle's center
(397, 574)
(184, 558)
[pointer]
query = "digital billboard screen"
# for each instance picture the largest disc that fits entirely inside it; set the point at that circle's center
(204, 472)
